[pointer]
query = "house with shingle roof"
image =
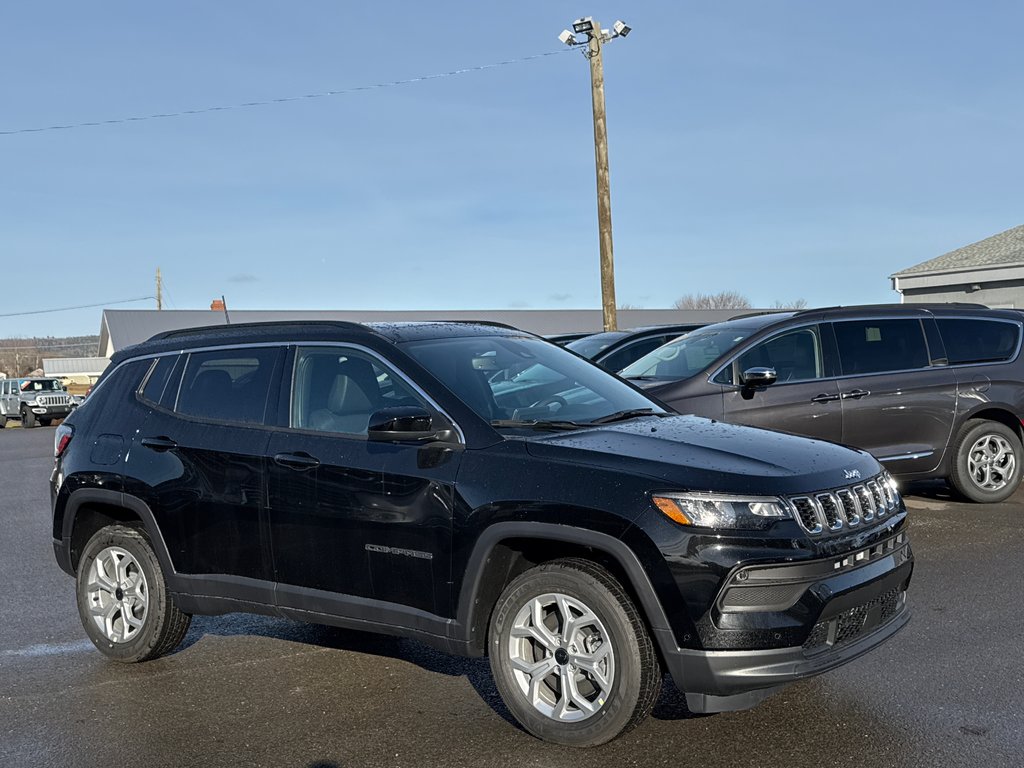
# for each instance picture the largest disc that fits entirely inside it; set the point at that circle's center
(990, 272)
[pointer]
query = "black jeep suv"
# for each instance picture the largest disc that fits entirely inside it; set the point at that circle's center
(372, 477)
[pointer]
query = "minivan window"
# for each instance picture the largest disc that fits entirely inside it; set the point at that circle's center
(227, 385)
(971, 340)
(795, 356)
(876, 346)
(337, 389)
(686, 356)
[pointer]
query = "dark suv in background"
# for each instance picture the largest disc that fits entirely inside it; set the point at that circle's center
(932, 391)
(385, 478)
(614, 350)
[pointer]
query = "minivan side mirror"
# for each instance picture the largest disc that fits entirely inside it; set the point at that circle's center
(401, 424)
(759, 377)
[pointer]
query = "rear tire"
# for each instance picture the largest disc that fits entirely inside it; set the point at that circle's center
(123, 600)
(28, 419)
(986, 461)
(569, 627)
(3, 422)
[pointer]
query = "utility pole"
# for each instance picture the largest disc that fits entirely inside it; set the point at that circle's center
(596, 38)
(159, 290)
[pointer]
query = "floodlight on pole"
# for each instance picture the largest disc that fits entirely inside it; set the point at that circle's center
(596, 37)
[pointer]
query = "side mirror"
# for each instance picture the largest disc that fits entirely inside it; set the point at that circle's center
(754, 378)
(401, 424)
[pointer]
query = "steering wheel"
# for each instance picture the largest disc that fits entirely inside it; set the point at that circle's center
(558, 400)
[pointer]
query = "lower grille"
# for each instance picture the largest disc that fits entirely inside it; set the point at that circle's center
(850, 624)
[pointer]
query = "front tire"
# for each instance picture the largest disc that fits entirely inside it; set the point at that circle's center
(28, 419)
(123, 600)
(986, 461)
(46, 422)
(571, 656)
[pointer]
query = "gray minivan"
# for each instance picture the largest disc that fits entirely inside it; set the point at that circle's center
(932, 391)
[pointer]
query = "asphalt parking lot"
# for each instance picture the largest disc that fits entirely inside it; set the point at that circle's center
(254, 691)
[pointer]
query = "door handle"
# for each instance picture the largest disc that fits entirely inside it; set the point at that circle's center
(855, 394)
(299, 461)
(159, 444)
(824, 398)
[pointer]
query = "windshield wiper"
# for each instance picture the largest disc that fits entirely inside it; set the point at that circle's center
(632, 413)
(537, 424)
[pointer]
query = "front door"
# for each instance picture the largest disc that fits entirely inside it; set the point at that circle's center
(896, 405)
(350, 517)
(804, 399)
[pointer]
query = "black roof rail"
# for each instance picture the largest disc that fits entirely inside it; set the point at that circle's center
(228, 328)
(760, 313)
(893, 305)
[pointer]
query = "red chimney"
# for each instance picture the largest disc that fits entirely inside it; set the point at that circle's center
(217, 305)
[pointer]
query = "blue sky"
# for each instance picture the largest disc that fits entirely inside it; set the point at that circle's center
(784, 150)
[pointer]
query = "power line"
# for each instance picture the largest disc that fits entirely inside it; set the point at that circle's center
(81, 306)
(50, 346)
(282, 100)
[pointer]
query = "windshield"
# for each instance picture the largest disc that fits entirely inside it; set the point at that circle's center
(525, 379)
(686, 356)
(41, 385)
(590, 346)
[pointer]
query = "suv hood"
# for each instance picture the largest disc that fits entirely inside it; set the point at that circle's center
(692, 453)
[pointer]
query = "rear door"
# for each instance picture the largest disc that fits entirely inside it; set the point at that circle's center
(202, 448)
(898, 402)
(805, 398)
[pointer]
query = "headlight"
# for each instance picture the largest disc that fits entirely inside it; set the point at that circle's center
(31, 402)
(714, 510)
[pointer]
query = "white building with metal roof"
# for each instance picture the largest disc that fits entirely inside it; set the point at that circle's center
(989, 272)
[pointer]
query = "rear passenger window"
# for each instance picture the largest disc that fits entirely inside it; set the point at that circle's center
(227, 385)
(978, 341)
(876, 346)
(153, 389)
(620, 358)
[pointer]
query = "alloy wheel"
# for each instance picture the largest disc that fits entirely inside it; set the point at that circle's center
(117, 594)
(562, 657)
(991, 462)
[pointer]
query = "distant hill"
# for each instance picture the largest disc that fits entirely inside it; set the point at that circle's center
(19, 356)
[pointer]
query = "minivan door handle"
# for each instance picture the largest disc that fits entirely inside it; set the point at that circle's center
(855, 394)
(824, 398)
(159, 444)
(299, 461)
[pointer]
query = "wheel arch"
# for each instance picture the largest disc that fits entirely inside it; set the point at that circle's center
(90, 509)
(999, 413)
(504, 550)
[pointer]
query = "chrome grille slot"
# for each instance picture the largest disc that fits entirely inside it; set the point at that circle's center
(850, 506)
(807, 513)
(867, 503)
(830, 511)
(878, 497)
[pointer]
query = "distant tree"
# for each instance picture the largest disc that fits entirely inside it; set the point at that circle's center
(722, 300)
(798, 304)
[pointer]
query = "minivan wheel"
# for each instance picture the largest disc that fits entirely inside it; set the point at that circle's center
(28, 419)
(571, 656)
(123, 600)
(987, 458)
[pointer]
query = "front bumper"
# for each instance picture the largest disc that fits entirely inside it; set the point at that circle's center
(863, 605)
(50, 411)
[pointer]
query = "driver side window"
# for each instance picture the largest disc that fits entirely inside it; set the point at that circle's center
(338, 389)
(795, 356)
